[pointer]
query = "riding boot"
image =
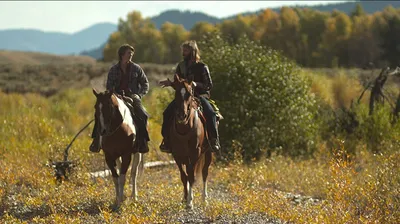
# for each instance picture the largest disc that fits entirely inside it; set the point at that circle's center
(143, 146)
(95, 146)
(213, 134)
(167, 120)
(165, 144)
(214, 138)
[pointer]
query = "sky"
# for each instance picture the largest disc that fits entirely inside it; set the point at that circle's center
(73, 16)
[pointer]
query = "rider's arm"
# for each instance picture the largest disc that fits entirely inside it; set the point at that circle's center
(111, 79)
(178, 71)
(206, 82)
(143, 81)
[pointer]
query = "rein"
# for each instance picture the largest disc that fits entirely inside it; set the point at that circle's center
(188, 117)
(186, 121)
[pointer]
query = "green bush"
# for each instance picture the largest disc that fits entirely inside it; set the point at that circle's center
(377, 130)
(266, 103)
(156, 101)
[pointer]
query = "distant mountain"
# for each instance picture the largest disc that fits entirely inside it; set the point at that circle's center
(90, 38)
(56, 42)
(91, 41)
(186, 18)
(96, 53)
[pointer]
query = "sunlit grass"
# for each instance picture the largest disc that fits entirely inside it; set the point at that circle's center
(335, 187)
(338, 90)
(365, 190)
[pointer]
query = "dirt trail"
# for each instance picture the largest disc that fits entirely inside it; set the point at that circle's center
(168, 174)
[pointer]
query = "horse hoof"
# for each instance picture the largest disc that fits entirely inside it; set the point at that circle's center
(134, 199)
(115, 207)
(189, 207)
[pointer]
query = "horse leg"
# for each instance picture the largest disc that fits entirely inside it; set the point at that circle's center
(111, 165)
(207, 162)
(184, 181)
(137, 158)
(126, 160)
(118, 162)
(190, 182)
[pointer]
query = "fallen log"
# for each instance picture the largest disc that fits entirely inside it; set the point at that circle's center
(154, 164)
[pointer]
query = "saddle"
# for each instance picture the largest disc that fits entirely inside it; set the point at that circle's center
(214, 106)
(129, 103)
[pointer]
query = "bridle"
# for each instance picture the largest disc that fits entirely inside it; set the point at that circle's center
(189, 108)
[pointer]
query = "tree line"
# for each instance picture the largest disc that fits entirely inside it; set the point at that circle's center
(309, 37)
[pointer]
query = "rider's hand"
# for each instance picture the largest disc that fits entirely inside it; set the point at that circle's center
(165, 83)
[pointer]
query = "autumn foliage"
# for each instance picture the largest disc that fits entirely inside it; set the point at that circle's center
(312, 38)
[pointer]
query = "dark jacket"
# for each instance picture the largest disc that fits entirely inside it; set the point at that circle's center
(137, 79)
(197, 72)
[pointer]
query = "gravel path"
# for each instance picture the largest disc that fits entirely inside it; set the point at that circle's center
(197, 214)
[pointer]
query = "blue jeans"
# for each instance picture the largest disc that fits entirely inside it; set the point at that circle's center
(211, 117)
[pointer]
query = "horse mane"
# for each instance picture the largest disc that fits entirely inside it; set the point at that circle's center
(123, 109)
(127, 118)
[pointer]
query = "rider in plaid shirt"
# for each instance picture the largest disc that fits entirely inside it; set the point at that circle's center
(129, 80)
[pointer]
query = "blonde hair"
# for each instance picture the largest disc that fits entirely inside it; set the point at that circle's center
(194, 49)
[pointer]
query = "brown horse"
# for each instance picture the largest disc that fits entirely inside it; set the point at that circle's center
(117, 132)
(188, 140)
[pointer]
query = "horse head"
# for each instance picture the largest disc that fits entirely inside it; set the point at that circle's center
(184, 98)
(107, 111)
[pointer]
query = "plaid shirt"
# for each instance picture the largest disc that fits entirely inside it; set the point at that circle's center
(197, 72)
(137, 79)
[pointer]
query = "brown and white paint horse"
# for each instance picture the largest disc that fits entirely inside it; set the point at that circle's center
(117, 132)
(189, 145)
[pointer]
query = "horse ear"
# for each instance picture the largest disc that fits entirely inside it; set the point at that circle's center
(95, 92)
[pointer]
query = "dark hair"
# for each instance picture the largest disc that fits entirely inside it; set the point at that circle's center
(123, 49)
(194, 49)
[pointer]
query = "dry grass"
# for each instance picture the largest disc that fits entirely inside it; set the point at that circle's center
(45, 74)
(339, 87)
(334, 187)
(35, 58)
(363, 188)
